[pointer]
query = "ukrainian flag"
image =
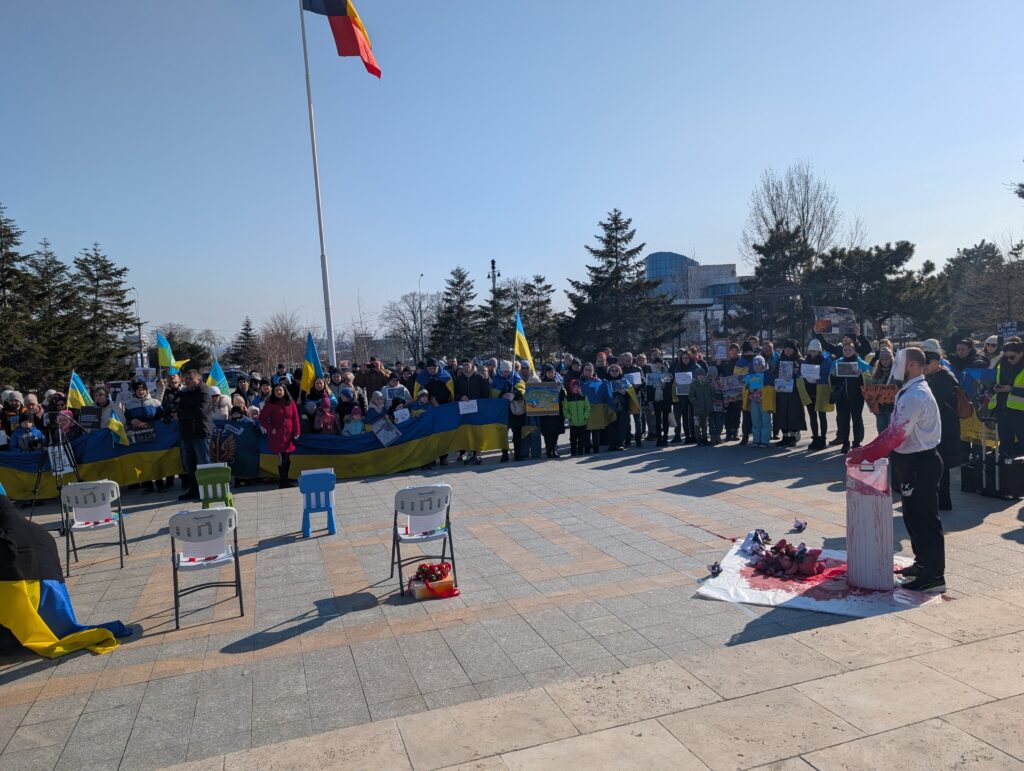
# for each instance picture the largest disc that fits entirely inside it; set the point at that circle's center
(602, 403)
(34, 601)
(218, 378)
(78, 394)
(165, 358)
(311, 367)
(522, 348)
(117, 426)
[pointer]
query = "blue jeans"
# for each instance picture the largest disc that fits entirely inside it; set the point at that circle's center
(761, 423)
(194, 452)
(882, 420)
(533, 442)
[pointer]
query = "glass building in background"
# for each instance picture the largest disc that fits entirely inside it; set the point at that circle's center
(672, 270)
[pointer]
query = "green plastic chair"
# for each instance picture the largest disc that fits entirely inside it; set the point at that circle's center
(214, 482)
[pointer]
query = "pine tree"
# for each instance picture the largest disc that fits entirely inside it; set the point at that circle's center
(13, 309)
(244, 350)
(497, 321)
(50, 351)
(455, 330)
(539, 318)
(105, 318)
(617, 306)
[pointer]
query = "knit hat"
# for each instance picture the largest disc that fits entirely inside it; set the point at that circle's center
(348, 393)
(790, 344)
(211, 390)
(4, 394)
(48, 393)
(31, 399)
(357, 412)
(991, 340)
(758, 360)
(931, 345)
(431, 362)
(15, 396)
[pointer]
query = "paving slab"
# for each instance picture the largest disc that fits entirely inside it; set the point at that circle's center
(997, 723)
(925, 746)
(994, 666)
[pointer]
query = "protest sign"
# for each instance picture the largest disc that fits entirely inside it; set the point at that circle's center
(402, 415)
(655, 379)
(832, 320)
(61, 461)
(810, 372)
(847, 369)
(467, 407)
(542, 398)
(636, 378)
(784, 386)
(620, 385)
(683, 381)
(753, 381)
(390, 394)
(720, 349)
(89, 418)
(972, 430)
(1009, 328)
(142, 435)
(732, 389)
(118, 391)
(878, 395)
(786, 370)
(386, 432)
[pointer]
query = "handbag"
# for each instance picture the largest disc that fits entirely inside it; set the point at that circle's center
(517, 406)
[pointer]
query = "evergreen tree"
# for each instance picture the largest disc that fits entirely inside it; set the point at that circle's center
(244, 350)
(455, 330)
(617, 306)
(105, 317)
(13, 309)
(51, 347)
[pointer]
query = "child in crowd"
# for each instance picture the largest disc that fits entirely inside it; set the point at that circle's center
(421, 405)
(716, 421)
(26, 437)
(396, 404)
(701, 404)
(577, 412)
(325, 420)
(761, 421)
(377, 409)
(353, 422)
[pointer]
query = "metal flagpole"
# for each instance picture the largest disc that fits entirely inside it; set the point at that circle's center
(319, 206)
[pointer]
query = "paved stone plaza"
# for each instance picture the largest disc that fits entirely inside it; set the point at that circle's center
(569, 569)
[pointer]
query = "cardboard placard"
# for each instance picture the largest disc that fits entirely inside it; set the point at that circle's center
(636, 378)
(732, 388)
(141, 435)
(61, 461)
(655, 379)
(786, 370)
(847, 369)
(878, 395)
(468, 407)
(542, 398)
(402, 415)
(683, 381)
(390, 394)
(720, 349)
(754, 380)
(784, 386)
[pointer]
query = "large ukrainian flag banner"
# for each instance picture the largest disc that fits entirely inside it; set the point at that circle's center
(433, 434)
(437, 432)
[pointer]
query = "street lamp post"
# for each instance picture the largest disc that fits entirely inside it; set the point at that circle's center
(419, 302)
(138, 324)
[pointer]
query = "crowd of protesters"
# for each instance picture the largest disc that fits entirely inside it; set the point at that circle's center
(755, 394)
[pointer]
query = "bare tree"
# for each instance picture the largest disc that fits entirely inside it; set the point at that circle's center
(402, 319)
(282, 338)
(797, 199)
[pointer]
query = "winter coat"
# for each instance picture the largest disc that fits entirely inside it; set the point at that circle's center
(280, 420)
(789, 405)
(193, 413)
(846, 390)
(576, 410)
(820, 390)
(169, 401)
(147, 410)
(473, 387)
(861, 345)
(943, 385)
(701, 397)
(971, 361)
(373, 380)
(661, 395)
(553, 425)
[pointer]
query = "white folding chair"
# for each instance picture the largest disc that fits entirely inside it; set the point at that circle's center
(427, 513)
(203, 539)
(90, 506)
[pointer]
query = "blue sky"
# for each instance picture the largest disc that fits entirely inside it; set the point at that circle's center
(175, 135)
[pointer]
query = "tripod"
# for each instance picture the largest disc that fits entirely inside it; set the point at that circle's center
(62, 461)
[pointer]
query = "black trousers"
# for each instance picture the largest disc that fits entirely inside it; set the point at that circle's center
(817, 421)
(661, 413)
(733, 410)
(847, 413)
(577, 441)
(683, 411)
(917, 477)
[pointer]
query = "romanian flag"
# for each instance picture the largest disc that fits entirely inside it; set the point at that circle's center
(78, 394)
(350, 35)
(311, 367)
(34, 602)
(522, 348)
(218, 378)
(164, 356)
(116, 425)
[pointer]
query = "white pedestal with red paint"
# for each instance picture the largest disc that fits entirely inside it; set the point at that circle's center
(869, 538)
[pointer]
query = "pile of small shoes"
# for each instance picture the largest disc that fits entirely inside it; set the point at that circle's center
(784, 560)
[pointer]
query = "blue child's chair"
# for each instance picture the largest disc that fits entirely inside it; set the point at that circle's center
(317, 488)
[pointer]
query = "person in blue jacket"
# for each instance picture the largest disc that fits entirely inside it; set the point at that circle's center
(26, 437)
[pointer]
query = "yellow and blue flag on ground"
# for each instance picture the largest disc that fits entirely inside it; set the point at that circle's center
(522, 348)
(218, 378)
(34, 601)
(165, 357)
(311, 367)
(117, 426)
(78, 394)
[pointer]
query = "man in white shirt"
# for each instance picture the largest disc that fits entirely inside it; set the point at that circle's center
(912, 438)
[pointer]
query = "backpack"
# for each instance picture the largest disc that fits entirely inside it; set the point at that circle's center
(964, 406)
